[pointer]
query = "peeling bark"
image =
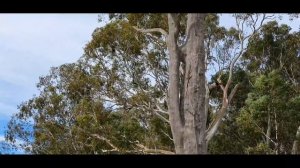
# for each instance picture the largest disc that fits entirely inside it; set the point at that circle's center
(187, 90)
(195, 90)
(173, 99)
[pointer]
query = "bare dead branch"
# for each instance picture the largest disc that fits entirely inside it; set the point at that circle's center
(166, 134)
(242, 39)
(106, 140)
(159, 109)
(261, 130)
(160, 30)
(161, 117)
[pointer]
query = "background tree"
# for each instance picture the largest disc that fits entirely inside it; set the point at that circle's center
(273, 48)
(69, 118)
(272, 57)
(269, 120)
(142, 87)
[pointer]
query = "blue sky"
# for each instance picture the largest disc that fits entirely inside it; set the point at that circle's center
(227, 20)
(32, 43)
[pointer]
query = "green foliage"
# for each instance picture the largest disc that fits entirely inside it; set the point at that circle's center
(106, 102)
(271, 97)
(261, 148)
(272, 89)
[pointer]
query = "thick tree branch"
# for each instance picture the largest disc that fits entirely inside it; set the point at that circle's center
(232, 93)
(218, 82)
(160, 30)
(212, 129)
(159, 109)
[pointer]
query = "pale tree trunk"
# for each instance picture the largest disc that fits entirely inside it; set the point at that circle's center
(173, 92)
(187, 107)
(194, 86)
(188, 95)
(188, 92)
(276, 135)
(296, 142)
(269, 130)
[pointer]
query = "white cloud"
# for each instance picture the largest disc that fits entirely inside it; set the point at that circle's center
(7, 110)
(32, 43)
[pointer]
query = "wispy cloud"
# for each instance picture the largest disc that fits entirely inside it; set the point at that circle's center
(29, 45)
(7, 110)
(32, 43)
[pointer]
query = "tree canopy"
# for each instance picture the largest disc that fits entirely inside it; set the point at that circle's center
(116, 97)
